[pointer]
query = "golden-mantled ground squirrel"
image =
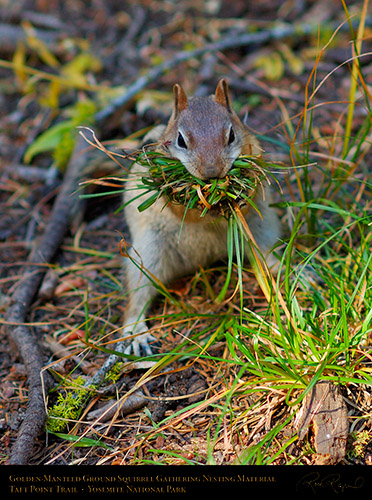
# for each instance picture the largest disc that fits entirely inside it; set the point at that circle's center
(206, 135)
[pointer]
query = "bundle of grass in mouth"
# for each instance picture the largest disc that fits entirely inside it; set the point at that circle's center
(229, 196)
(169, 178)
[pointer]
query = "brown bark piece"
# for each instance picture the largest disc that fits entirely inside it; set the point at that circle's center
(324, 407)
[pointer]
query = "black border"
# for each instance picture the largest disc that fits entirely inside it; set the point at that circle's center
(133, 482)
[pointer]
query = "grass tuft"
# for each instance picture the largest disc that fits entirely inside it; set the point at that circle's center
(168, 177)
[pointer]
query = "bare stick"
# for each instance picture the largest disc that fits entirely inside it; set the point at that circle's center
(66, 206)
(226, 43)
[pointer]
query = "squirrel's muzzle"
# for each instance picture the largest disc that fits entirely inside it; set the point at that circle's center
(213, 170)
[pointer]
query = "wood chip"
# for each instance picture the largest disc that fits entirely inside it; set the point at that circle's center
(325, 408)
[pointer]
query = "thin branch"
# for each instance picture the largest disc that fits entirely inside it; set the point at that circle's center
(66, 206)
(229, 42)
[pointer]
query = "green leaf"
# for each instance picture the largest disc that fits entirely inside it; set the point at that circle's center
(272, 64)
(147, 203)
(81, 442)
(48, 140)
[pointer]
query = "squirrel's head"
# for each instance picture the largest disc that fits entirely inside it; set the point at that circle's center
(204, 133)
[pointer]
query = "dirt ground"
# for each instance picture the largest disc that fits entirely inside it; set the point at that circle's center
(127, 39)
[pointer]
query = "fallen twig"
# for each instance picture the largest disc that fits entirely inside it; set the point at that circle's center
(64, 210)
(228, 42)
(12, 35)
(123, 407)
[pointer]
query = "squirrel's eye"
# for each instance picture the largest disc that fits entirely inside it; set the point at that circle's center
(181, 141)
(231, 137)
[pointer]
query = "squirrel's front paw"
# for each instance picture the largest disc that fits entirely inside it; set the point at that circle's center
(138, 338)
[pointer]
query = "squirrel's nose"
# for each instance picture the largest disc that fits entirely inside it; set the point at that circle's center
(214, 170)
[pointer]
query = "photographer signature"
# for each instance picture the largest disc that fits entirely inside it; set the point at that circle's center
(334, 482)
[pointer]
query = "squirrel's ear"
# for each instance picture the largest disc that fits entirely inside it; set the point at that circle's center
(222, 95)
(180, 99)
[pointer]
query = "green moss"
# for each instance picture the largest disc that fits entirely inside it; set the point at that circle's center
(357, 443)
(68, 406)
(115, 373)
